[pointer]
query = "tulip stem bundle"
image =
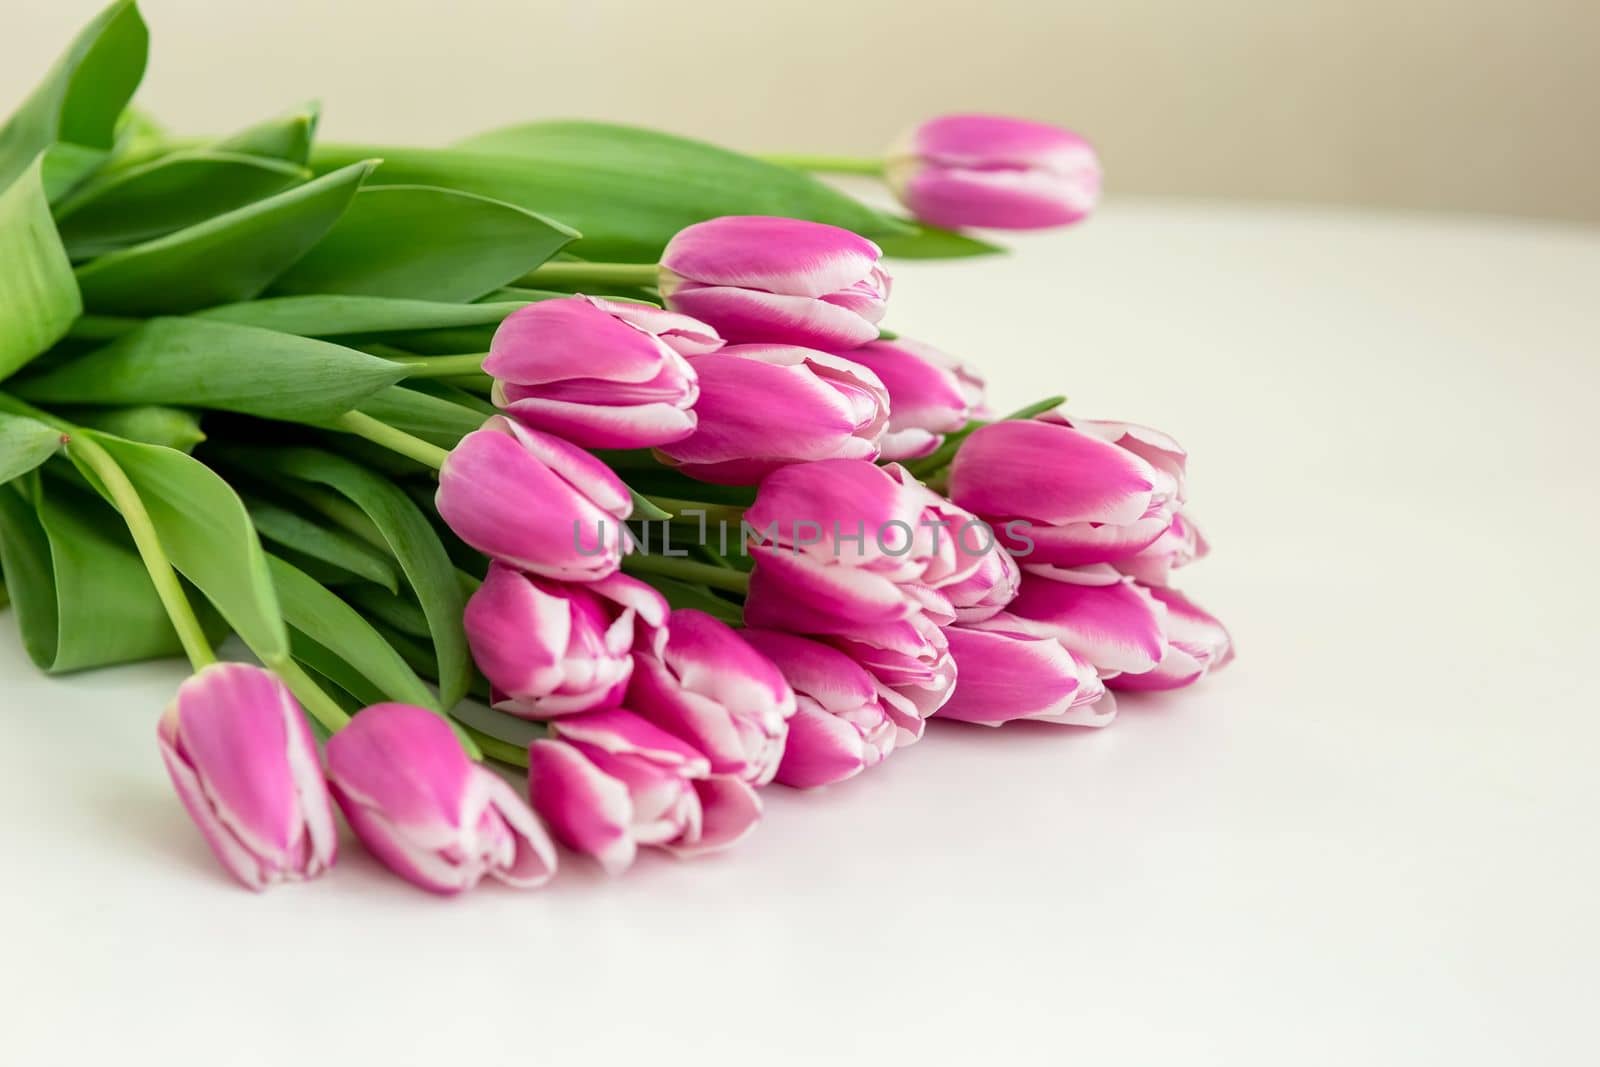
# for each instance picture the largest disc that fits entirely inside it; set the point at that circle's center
(346, 403)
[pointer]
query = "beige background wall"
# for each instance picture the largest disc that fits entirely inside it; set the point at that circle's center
(1457, 106)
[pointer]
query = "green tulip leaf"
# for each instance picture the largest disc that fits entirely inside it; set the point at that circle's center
(80, 100)
(332, 547)
(219, 365)
(406, 534)
(224, 259)
(626, 190)
(287, 137)
(38, 294)
(154, 424)
(416, 242)
(24, 444)
(82, 596)
(400, 613)
(312, 610)
(435, 419)
(931, 242)
(333, 316)
(156, 198)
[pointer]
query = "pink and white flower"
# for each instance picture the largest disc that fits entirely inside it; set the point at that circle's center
(697, 679)
(1061, 495)
(534, 501)
(599, 373)
(558, 648)
(244, 763)
(927, 399)
(762, 407)
(1006, 676)
(840, 727)
(608, 782)
(756, 278)
(425, 809)
(996, 172)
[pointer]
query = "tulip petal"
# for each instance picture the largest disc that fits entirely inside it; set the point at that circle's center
(730, 809)
(1005, 676)
(587, 810)
(1116, 627)
(1051, 474)
(781, 255)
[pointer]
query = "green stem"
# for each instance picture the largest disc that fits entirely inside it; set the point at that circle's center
(578, 275)
(317, 703)
(493, 747)
(688, 570)
(729, 513)
(828, 164)
(126, 499)
(381, 433)
(440, 366)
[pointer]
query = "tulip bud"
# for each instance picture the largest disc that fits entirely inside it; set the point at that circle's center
(851, 553)
(608, 782)
(1060, 495)
(245, 766)
(1197, 643)
(995, 172)
(698, 680)
(1101, 616)
(597, 373)
(764, 406)
(535, 502)
(926, 397)
(1010, 676)
(425, 809)
(554, 648)
(756, 278)
(840, 727)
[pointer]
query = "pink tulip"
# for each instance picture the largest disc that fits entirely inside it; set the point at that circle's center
(926, 397)
(608, 782)
(535, 502)
(762, 407)
(1197, 643)
(597, 373)
(698, 680)
(852, 553)
(553, 648)
(1180, 544)
(996, 172)
(761, 279)
(426, 810)
(245, 766)
(1060, 495)
(1104, 618)
(840, 727)
(1008, 676)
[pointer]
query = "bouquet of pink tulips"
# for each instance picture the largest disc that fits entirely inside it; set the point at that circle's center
(572, 456)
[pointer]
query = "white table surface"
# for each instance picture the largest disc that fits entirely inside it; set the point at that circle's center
(1370, 840)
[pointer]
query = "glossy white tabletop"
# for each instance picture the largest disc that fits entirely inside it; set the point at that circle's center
(1372, 839)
